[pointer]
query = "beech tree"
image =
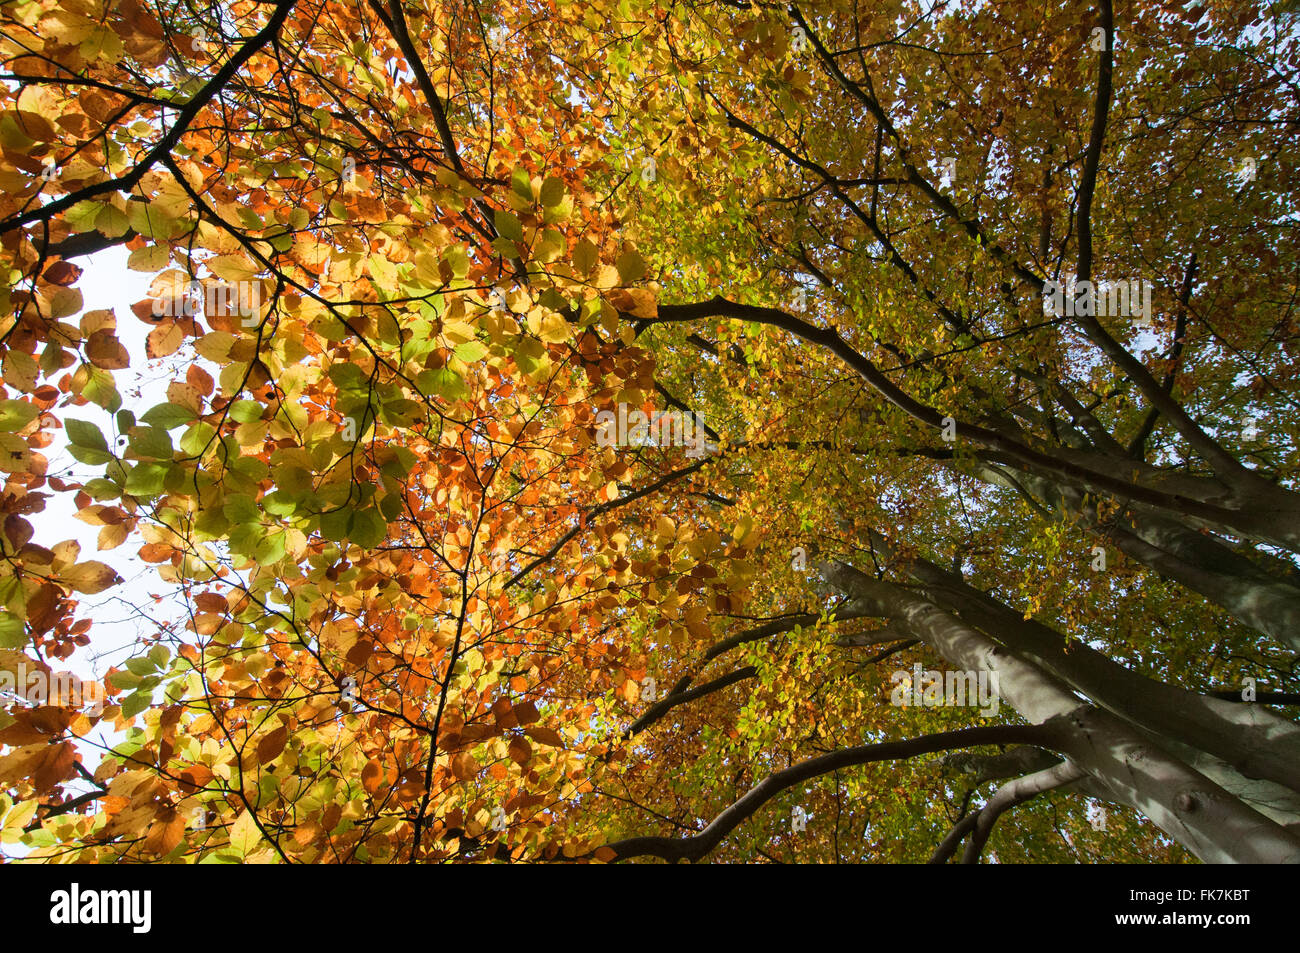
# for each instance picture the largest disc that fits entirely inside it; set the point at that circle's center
(603, 431)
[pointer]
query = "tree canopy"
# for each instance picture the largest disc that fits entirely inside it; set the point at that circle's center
(585, 431)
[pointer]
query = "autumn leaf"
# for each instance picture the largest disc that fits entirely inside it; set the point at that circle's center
(270, 746)
(91, 577)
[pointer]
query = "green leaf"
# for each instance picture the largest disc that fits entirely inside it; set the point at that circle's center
(471, 351)
(457, 260)
(246, 411)
(16, 414)
(82, 433)
(101, 489)
(124, 680)
(100, 389)
(92, 458)
(241, 508)
(334, 525)
(345, 376)
(197, 438)
(244, 835)
(151, 442)
(369, 528)
(135, 703)
(585, 256)
(110, 221)
(12, 635)
(508, 225)
(141, 666)
(444, 382)
(150, 258)
(271, 549)
(631, 267)
(146, 479)
(168, 416)
(552, 192)
(522, 183)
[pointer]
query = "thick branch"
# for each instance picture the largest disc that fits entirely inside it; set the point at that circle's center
(1009, 795)
(695, 847)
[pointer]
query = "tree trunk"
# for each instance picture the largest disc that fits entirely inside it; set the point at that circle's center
(1206, 819)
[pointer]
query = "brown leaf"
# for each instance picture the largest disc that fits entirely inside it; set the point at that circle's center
(307, 832)
(210, 602)
(638, 302)
(269, 748)
(331, 817)
(520, 751)
(106, 352)
(463, 766)
(199, 379)
(62, 273)
(546, 736)
(91, 577)
(526, 713)
(36, 726)
(18, 531)
(165, 833)
(185, 395)
(504, 713)
(56, 766)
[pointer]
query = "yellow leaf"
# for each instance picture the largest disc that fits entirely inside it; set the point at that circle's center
(149, 258)
(215, 346)
(112, 536)
(458, 332)
(244, 835)
(90, 577)
(233, 267)
(554, 329)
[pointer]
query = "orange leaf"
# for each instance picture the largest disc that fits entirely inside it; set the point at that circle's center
(372, 776)
(56, 766)
(195, 777)
(165, 833)
(156, 553)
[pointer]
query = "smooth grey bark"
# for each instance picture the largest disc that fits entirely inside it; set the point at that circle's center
(1272, 800)
(1013, 793)
(1206, 819)
(882, 636)
(1256, 742)
(1014, 762)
